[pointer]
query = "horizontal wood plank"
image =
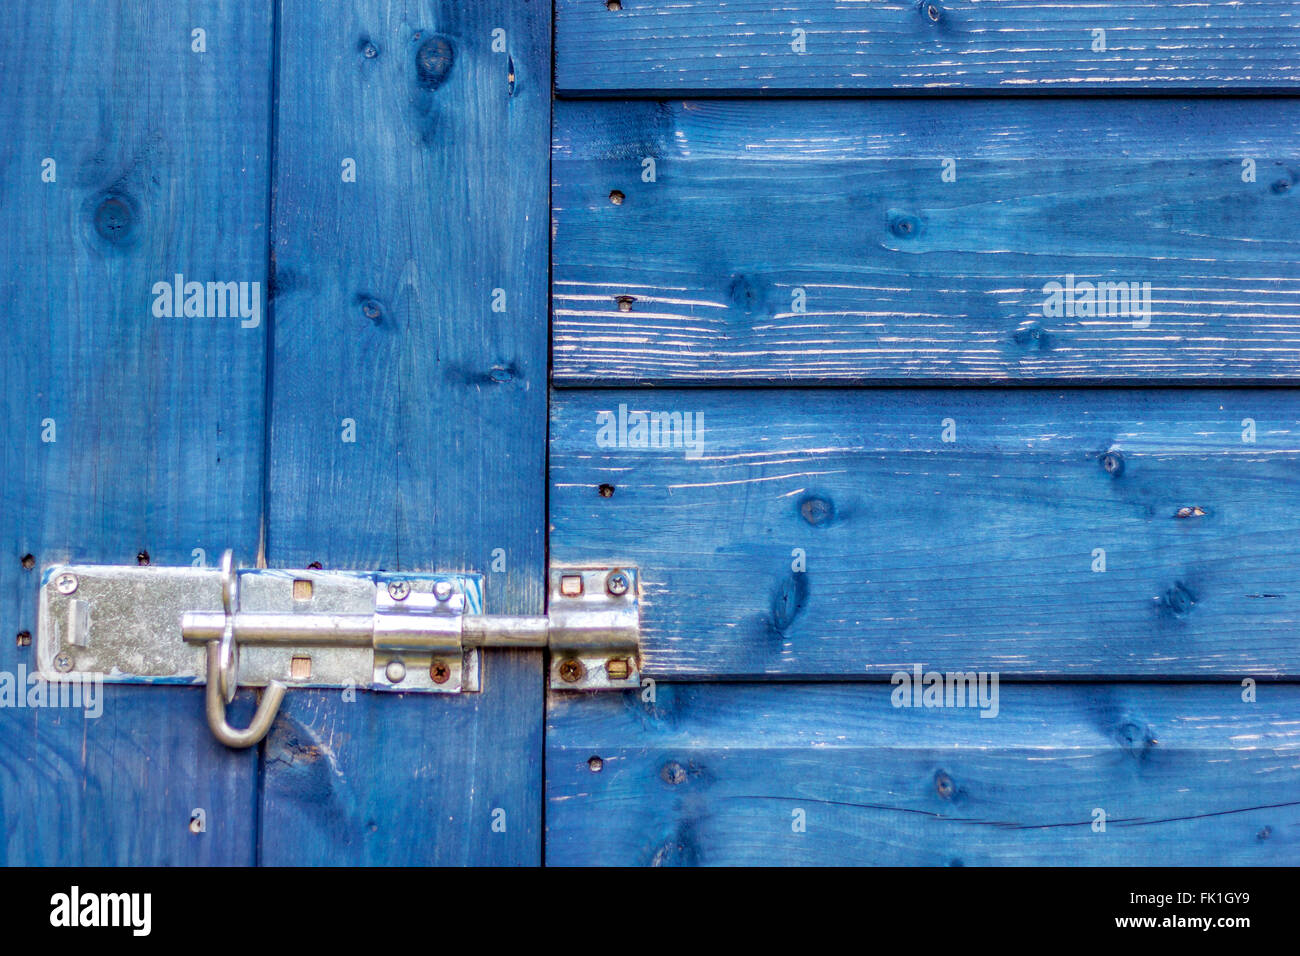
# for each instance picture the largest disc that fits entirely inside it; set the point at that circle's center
(720, 775)
(979, 553)
(644, 47)
(783, 242)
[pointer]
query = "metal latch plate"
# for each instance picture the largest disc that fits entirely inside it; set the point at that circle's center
(123, 624)
(594, 629)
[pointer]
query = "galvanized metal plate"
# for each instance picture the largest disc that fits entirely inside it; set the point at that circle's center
(594, 630)
(122, 624)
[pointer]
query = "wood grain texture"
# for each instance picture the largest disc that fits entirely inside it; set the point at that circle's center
(975, 554)
(383, 316)
(787, 242)
(724, 47)
(161, 167)
(712, 775)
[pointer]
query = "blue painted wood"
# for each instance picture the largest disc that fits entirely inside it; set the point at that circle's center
(784, 242)
(644, 47)
(383, 321)
(713, 775)
(160, 167)
(975, 554)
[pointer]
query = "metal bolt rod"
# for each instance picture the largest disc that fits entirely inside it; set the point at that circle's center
(500, 630)
(411, 631)
(333, 630)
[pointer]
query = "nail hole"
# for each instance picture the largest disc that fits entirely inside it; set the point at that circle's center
(606, 491)
(142, 559)
(932, 12)
(24, 638)
(595, 764)
(624, 302)
(616, 197)
(29, 561)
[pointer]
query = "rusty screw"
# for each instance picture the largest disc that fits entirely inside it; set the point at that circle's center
(439, 672)
(572, 671)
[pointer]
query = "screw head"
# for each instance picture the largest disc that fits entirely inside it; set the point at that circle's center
(439, 672)
(399, 590)
(395, 672)
(442, 590)
(617, 583)
(66, 583)
(63, 662)
(572, 671)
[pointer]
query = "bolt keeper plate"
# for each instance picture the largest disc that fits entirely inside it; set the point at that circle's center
(594, 629)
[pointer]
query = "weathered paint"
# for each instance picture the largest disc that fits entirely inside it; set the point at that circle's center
(160, 167)
(811, 47)
(834, 774)
(957, 240)
(383, 316)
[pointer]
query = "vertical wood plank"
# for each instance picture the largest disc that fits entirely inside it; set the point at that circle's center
(126, 431)
(385, 332)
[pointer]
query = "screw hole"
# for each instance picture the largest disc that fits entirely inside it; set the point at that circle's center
(142, 559)
(29, 562)
(932, 12)
(616, 197)
(606, 491)
(314, 566)
(613, 5)
(24, 638)
(596, 765)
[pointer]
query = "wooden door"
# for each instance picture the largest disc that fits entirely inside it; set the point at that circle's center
(379, 173)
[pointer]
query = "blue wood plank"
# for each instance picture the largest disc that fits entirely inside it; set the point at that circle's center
(128, 158)
(922, 46)
(783, 242)
(384, 321)
(1086, 533)
(716, 775)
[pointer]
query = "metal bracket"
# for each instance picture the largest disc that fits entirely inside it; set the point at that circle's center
(273, 628)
